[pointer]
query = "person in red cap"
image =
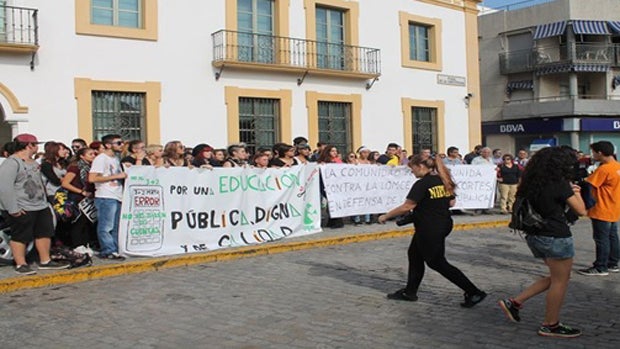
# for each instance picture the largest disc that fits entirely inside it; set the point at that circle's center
(24, 206)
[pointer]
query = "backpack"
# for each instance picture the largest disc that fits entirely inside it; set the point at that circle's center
(524, 217)
(75, 259)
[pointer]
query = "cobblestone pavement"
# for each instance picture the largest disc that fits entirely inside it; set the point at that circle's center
(321, 298)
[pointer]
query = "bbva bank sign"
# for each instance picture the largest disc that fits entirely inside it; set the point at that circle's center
(511, 128)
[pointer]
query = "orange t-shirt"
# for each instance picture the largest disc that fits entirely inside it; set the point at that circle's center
(606, 183)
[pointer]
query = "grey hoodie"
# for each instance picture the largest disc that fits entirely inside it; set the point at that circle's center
(21, 187)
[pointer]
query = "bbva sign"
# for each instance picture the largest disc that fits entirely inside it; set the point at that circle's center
(511, 128)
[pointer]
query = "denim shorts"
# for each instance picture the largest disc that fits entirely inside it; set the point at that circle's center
(550, 247)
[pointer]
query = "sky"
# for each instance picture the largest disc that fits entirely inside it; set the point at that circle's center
(502, 3)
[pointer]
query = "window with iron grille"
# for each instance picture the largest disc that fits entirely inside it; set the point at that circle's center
(123, 113)
(258, 122)
(122, 13)
(424, 128)
(335, 125)
(419, 45)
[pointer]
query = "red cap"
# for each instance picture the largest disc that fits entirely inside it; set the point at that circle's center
(26, 138)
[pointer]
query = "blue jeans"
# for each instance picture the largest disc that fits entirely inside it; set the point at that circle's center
(606, 239)
(549, 247)
(108, 215)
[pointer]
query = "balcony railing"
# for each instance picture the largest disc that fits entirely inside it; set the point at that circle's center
(517, 61)
(276, 52)
(553, 106)
(19, 29)
(562, 98)
(528, 60)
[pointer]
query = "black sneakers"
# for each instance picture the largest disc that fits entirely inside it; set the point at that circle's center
(473, 299)
(53, 265)
(510, 309)
(559, 330)
(402, 295)
(24, 269)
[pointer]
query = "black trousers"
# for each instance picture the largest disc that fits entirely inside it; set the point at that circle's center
(80, 231)
(430, 247)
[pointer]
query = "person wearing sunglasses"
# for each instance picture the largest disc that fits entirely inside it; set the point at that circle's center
(107, 175)
(77, 144)
(174, 154)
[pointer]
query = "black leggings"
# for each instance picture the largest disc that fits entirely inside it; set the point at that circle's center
(430, 247)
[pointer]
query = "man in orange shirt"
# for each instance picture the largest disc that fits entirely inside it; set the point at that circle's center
(605, 213)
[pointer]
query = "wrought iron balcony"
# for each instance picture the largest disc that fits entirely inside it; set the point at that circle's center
(552, 106)
(516, 61)
(579, 53)
(18, 29)
(257, 51)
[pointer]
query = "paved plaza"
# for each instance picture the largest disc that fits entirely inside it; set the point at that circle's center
(323, 298)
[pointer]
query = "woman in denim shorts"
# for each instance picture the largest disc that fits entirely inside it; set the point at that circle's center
(546, 183)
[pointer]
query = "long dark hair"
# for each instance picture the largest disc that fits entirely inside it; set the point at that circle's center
(548, 165)
(325, 156)
(438, 167)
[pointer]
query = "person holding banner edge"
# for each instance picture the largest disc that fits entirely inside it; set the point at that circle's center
(429, 200)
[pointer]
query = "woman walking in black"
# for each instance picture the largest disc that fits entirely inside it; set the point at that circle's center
(429, 200)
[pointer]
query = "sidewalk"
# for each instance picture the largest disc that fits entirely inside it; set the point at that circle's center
(10, 282)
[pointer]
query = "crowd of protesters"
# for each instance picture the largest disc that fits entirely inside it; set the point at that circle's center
(92, 175)
(95, 171)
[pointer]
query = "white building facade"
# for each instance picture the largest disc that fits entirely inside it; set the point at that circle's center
(347, 72)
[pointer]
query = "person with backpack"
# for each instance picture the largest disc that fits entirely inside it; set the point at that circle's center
(546, 188)
(430, 199)
(24, 206)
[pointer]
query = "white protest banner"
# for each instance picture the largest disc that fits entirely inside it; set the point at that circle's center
(179, 210)
(359, 189)
(367, 189)
(475, 186)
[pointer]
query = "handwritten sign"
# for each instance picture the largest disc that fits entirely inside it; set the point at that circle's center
(179, 210)
(475, 186)
(370, 189)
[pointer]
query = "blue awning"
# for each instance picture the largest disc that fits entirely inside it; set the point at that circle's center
(519, 85)
(614, 26)
(590, 68)
(554, 69)
(550, 29)
(590, 27)
(567, 67)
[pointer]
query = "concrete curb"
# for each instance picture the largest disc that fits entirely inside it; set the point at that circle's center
(159, 263)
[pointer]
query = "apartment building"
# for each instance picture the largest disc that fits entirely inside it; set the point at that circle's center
(347, 72)
(551, 74)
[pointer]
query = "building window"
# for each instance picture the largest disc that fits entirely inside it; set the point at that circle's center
(335, 124)
(130, 19)
(255, 23)
(123, 113)
(424, 127)
(258, 122)
(420, 42)
(330, 38)
(123, 13)
(2, 21)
